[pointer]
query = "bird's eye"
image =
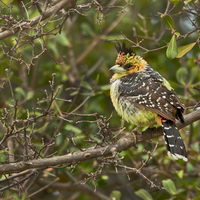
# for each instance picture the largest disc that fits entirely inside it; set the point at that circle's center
(128, 66)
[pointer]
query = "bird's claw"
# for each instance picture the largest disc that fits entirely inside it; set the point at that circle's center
(137, 127)
(134, 133)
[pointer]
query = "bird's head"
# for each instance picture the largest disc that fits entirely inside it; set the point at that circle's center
(127, 62)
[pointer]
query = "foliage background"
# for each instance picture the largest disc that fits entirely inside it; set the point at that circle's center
(78, 60)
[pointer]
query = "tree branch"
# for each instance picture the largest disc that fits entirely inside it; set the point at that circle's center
(74, 187)
(50, 12)
(122, 144)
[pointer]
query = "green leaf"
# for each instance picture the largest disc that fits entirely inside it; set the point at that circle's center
(105, 87)
(174, 1)
(74, 93)
(172, 50)
(177, 34)
(196, 84)
(143, 194)
(70, 127)
(195, 147)
(193, 75)
(190, 168)
(105, 177)
(96, 81)
(52, 46)
(170, 186)
(140, 148)
(20, 91)
(49, 173)
(62, 39)
(168, 21)
(86, 85)
(115, 195)
(180, 174)
(88, 94)
(24, 196)
(182, 50)
(30, 95)
(87, 30)
(182, 75)
(178, 8)
(198, 191)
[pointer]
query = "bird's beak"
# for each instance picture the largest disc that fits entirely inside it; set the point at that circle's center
(117, 69)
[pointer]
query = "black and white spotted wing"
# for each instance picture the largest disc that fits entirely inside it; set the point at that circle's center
(146, 92)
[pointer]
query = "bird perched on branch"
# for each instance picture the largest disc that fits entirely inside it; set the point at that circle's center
(142, 96)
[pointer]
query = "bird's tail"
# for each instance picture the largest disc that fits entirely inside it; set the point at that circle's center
(173, 140)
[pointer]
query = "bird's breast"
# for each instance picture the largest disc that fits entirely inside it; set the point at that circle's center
(114, 94)
(125, 107)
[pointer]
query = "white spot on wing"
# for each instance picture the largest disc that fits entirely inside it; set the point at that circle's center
(170, 136)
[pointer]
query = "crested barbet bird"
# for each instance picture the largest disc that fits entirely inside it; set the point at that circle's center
(143, 97)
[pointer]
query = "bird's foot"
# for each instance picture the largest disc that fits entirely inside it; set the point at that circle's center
(134, 133)
(137, 127)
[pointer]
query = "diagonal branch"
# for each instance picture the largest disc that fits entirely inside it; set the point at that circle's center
(122, 144)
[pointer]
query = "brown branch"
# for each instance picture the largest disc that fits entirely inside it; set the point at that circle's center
(50, 12)
(121, 145)
(43, 188)
(83, 188)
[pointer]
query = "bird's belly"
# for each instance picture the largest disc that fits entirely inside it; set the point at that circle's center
(136, 116)
(126, 108)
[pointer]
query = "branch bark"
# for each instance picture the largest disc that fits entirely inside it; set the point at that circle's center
(122, 144)
(50, 12)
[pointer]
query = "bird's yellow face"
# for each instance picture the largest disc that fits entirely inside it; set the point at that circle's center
(127, 64)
